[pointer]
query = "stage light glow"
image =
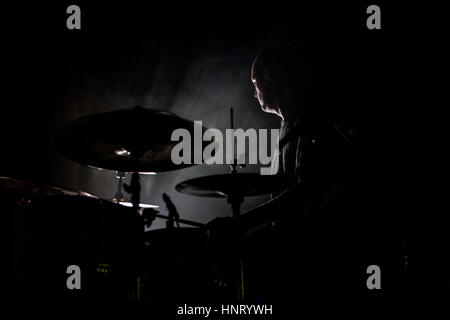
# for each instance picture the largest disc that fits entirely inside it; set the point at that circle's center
(122, 152)
(142, 205)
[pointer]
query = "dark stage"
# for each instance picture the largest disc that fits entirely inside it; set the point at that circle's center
(92, 101)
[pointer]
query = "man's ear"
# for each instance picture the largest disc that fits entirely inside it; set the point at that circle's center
(267, 77)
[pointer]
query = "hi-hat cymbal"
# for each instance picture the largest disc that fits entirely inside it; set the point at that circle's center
(127, 140)
(29, 188)
(243, 184)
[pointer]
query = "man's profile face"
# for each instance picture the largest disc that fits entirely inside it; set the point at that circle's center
(262, 92)
(258, 94)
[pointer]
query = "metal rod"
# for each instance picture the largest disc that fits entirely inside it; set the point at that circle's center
(191, 223)
(234, 164)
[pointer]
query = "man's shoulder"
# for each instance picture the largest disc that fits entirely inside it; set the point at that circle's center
(317, 128)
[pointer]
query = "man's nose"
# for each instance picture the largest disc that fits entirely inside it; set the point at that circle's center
(255, 94)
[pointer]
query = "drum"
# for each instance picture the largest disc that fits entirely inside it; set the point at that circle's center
(175, 265)
(46, 234)
(100, 237)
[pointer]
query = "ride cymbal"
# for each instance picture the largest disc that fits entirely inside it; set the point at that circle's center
(127, 140)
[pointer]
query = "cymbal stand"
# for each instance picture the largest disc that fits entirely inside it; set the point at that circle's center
(134, 188)
(235, 199)
(118, 197)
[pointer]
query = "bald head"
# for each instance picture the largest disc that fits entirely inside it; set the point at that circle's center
(288, 79)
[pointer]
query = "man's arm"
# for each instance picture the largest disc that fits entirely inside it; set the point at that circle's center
(324, 165)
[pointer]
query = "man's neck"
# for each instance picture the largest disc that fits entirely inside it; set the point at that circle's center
(288, 113)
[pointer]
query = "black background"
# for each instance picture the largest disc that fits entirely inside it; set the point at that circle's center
(45, 65)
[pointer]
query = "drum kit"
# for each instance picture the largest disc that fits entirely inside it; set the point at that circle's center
(46, 228)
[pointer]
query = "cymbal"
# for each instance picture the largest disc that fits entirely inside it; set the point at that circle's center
(29, 188)
(243, 184)
(127, 140)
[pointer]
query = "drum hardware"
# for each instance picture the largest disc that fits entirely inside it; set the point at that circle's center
(234, 187)
(235, 199)
(149, 215)
(174, 217)
(49, 231)
(176, 253)
(143, 145)
(134, 188)
(118, 197)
